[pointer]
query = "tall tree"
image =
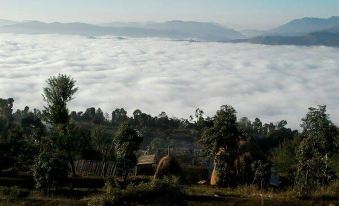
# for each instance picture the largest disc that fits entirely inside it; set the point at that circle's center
(102, 142)
(6, 109)
(59, 91)
(126, 143)
(221, 142)
(316, 146)
(119, 116)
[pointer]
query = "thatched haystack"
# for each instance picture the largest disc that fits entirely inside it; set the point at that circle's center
(214, 178)
(168, 166)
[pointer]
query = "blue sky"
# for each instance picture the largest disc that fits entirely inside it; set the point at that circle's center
(261, 14)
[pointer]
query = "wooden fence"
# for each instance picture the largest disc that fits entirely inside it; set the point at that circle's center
(94, 168)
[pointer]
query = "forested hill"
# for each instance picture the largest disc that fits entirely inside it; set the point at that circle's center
(313, 39)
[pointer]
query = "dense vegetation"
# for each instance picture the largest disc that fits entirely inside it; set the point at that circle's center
(45, 144)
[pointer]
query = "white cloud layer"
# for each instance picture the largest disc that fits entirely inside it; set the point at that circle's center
(271, 82)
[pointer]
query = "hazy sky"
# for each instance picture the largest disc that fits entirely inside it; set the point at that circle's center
(260, 14)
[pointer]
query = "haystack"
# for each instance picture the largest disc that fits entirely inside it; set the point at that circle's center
(168, 166)
(214, 178)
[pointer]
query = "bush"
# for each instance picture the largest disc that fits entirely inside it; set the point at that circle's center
(49, 170)
(112, 183)
(164, 192)
(330, 192)
(14, 193)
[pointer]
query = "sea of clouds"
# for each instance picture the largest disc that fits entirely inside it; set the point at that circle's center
(155, 75)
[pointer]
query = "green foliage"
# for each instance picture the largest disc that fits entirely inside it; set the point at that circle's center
(119, 116)
(157, 143)
(163, 192)
(126, 143)
(113, 183)
(328, 192)
(68, 139)
(102, 142)
(284, 162)
(222, 143)
(49, 169)
(6, 109)
(235, 146)
(262, 173)
(313, 152)
(18, 137)
(14, 193)
(59, 91)
(334, 163)
(318, 126)
(224, 133)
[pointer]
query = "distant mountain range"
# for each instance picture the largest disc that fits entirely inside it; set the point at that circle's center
(312, 39)
(4, 22)
(172, 29)
(302, 32)
(305, 31)
(304, 26)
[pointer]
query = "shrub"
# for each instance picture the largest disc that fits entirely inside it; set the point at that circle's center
(166, 191)
(330, 192)
(14, 192)
(112, 183)
(49, 170)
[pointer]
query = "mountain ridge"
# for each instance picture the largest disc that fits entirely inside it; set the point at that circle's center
(302, 26)
(171, 29)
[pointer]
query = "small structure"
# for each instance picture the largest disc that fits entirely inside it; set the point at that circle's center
(146, 165)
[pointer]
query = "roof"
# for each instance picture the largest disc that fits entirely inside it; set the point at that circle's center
(146, 159)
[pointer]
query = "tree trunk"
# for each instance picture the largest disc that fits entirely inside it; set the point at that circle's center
(103, 172)
(71, 162)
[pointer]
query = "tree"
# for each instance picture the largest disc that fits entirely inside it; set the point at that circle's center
(262, 173)
(6, 109)
(221, 142)
(99, 117)
(155, 144)
(126, 143)
(49, 168)
(316, 146)
(284, 161)
(102, 142)
(257, 126)
(19, 136)
(59, 91)
(119, 116)
(68, 139)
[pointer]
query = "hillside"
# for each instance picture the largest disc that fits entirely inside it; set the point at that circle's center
(304, 26)
(313, 39)
(5, 22)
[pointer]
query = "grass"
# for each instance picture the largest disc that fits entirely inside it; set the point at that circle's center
(330, 192)
(249, 195)
(16, 196)
(195, 195)
(43, 202)
(162, 192)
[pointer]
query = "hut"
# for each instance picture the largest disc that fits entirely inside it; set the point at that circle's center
(146, 165)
